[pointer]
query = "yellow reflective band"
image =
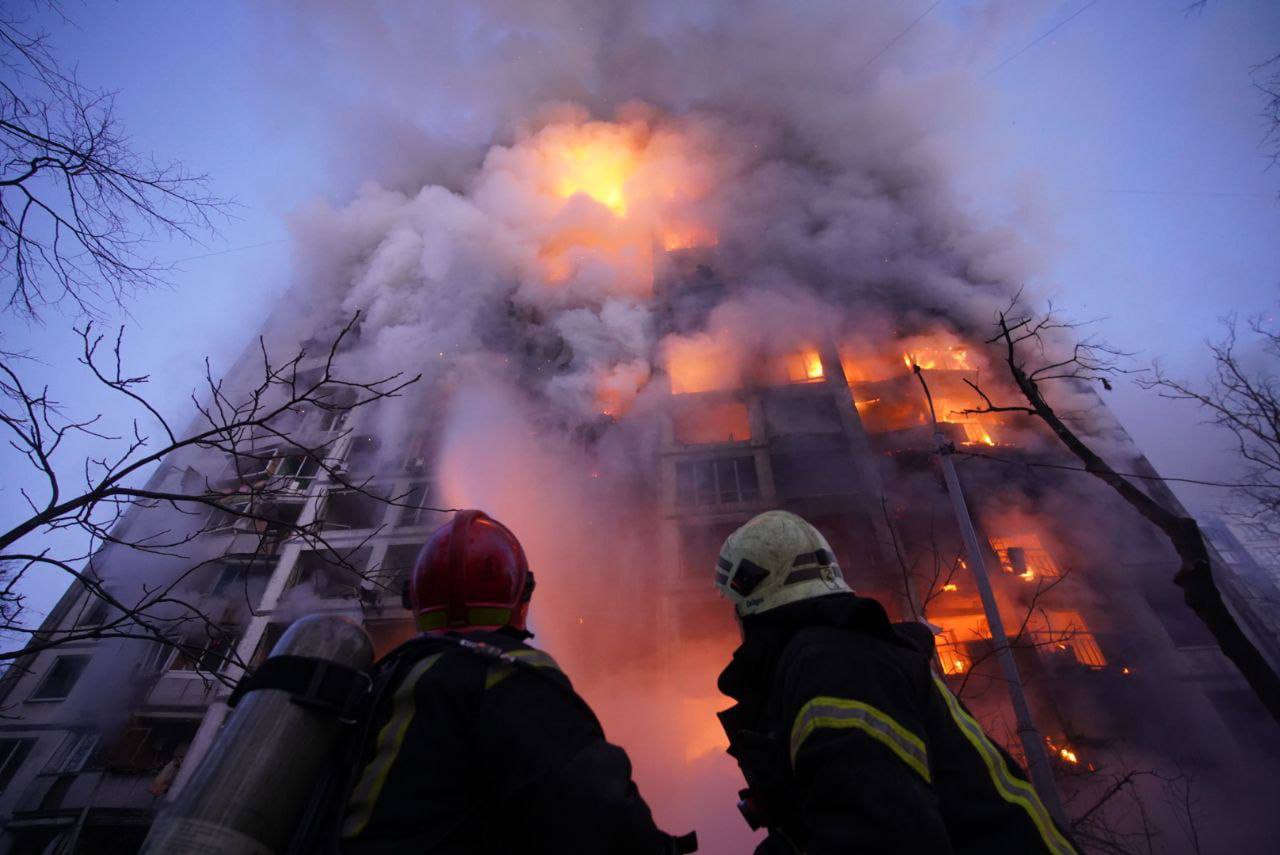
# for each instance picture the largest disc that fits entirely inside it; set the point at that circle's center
(535, 657)
(839, 713)
(390, 738)
(1010, 787)
(501, 671)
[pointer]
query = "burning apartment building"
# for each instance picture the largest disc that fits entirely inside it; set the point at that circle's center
(633, 336)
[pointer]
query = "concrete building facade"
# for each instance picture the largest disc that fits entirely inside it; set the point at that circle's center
(1122, 677)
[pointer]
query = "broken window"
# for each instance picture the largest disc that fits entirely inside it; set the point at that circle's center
(709, 423)
(206, 649)
(352, 509)
(330, 575)
(60, 679)
(1024, 556)
(727, 480)
(148, 745)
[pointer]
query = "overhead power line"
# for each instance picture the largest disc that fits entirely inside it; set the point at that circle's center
(1043, 36)
(229, 250)
(893, 41)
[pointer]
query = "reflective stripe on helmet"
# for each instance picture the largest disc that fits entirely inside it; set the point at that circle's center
(479, 616)
(1010, 787)
(390, 739)
(774, 559)
(842, 713)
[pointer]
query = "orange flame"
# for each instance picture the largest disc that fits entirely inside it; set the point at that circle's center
(597, 167)
(645, 180)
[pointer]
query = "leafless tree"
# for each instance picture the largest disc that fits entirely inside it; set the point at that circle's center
(253, 435)
(78, 202)
(1246, 402)
(1038, 349)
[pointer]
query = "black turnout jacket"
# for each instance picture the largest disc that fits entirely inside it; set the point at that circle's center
(479, 744)
(850, 743)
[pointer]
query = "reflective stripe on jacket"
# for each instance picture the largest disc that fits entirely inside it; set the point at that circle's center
(873, 753)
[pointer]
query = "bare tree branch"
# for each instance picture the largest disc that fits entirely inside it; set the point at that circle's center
(78, 203)
(272, 468)
(1019, 332)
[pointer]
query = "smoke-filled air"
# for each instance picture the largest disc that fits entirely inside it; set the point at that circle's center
(631, 278)
(570, 215)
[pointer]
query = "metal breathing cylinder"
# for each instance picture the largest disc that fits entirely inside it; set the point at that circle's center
(248, 794)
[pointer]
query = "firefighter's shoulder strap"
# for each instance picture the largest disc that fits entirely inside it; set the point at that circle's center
(524, 659)
(310, 682)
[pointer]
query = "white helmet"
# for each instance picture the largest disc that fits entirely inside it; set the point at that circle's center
(775, 559)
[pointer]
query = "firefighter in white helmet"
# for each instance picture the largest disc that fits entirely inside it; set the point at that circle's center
(847, 738)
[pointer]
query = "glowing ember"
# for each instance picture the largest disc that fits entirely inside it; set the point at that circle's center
(1125, 670)
(1068, 755)
(950, 586)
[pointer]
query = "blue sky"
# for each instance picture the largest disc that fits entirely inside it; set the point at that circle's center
(1127, 146)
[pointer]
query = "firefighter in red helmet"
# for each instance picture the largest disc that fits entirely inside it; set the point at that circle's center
(477, 742)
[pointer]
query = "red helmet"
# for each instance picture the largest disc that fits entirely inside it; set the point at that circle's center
(472, 574)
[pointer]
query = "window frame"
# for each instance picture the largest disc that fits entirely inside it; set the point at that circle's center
(21, 748)
(696, 490)
(49, 675)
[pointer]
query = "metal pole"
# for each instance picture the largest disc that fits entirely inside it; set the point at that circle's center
(1032, 743)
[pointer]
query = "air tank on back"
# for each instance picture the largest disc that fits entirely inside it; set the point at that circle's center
(250, 790)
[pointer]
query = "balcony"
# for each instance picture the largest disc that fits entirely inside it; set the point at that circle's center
(181, 689)
(95, 788)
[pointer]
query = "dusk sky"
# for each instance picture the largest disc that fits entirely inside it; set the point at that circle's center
(1126, 148)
